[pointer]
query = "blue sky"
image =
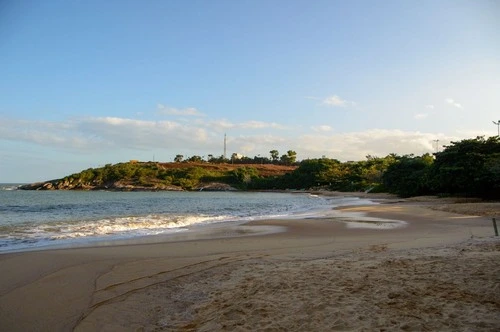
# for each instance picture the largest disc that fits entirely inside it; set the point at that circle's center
(86, 83)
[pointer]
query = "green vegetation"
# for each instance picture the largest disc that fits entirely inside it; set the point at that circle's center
(150, 174)
(194, 175)
(331, 174)
(470, 167)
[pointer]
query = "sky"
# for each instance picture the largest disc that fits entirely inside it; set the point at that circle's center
(88, 83)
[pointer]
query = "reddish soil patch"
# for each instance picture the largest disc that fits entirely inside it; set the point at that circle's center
(263, 169)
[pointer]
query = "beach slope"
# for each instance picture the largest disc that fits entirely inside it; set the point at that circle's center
(435, 271)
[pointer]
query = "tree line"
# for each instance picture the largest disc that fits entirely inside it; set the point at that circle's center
(290, 158)
(470, 167)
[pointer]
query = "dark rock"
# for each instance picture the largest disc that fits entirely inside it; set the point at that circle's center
(215, 186)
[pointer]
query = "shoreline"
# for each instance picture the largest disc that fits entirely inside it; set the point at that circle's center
(290, 280)
(183, 232)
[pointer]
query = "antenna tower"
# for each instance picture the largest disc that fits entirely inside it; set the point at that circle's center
(498, 126)
(224, 145)
(437, 145)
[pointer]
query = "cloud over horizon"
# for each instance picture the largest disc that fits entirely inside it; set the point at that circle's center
(101, 134)
(453, 103)
(420, 116)
(322, 128)
(113, 139)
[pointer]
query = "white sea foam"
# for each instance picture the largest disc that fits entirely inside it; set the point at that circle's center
(35, 219)
(118, 227)
(9, 186)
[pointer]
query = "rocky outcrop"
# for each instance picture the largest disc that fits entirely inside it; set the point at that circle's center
(38, 186)
(118, 186)
(215, 186)
(66, 184)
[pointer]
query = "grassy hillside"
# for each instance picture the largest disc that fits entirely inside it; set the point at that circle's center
(165, 176)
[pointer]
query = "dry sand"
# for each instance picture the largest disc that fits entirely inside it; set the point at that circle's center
(441, 272)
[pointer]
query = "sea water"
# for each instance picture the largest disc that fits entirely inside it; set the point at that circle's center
(37, 219)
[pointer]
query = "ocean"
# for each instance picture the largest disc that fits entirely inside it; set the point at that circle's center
(43, 219)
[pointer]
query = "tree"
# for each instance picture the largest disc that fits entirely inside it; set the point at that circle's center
(408, 175)
(315, 172)
(289, 158)
(234, 157)
(178, 158)
(195, 159)
(244, 175)
(292, 156)
(260, 160)
(468, 167)
(274, 155)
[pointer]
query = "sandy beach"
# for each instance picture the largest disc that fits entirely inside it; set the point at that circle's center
(429, 270)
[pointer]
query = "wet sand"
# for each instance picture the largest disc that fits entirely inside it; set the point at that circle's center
(439, 272)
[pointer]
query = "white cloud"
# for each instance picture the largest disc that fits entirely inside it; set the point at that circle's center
(259, 125)
(105, 135)
(431, 107)
(190, 111)
(420, 116)
(453, 102)
(252, 145)
(335, 101)
(100, 134)
(322, 128)
(221, 125)
(375, 142)
(140, 134)
(332, 101)
(225, 125)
